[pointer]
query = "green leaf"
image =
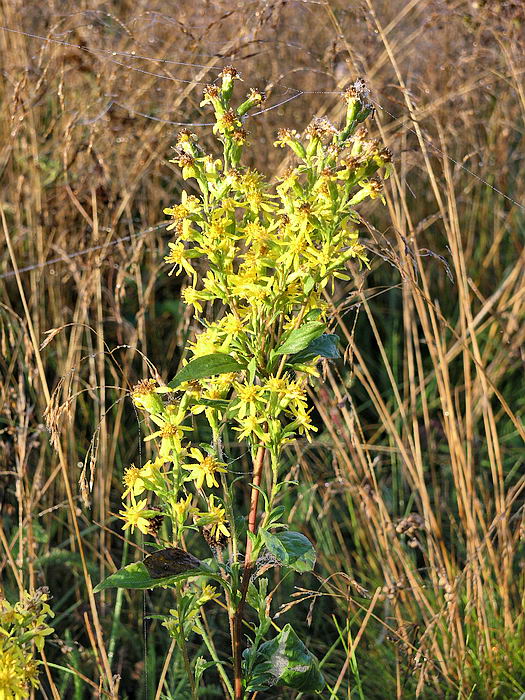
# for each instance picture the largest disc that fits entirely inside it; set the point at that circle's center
(299, 550)
(300, 338)
(324, 346)
(213, 403)
(252, 369)
(309, 284)
(205, 366)
(290, 549)
(312, 315)
(136, 576)
(274, 546)
(290, 663)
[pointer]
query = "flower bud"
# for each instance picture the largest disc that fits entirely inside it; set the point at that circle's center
(228, 75)
(255, 97)
(145, 397)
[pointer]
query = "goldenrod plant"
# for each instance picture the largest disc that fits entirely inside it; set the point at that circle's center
(23, 630)
(257, 257)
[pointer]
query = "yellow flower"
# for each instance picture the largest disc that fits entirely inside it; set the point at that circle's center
(296, 393)
(206, 342)
(192, 297)
(276, 385)
(247, 395)
(214, 519)
(321, 260)
(252, 292)
(178, 211)
(208, 593)
(183, 508)
(221, 384)
(151, 469)
(180, 258)
(231, 325)
(255, 233)
(17, 671)
(133, 482)
(171, 433)
(252, 425)
(227, 204)
(133, 518)
(189, 205)
(303, 424)
(134, 478)
(205, 469)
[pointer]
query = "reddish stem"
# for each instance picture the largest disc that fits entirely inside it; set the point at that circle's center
(248, 568)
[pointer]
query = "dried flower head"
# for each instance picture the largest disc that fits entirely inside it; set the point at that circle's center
(229, 71)
(319, 128)
(358, 89)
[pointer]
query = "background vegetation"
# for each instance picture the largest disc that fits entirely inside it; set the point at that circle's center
(413, 488)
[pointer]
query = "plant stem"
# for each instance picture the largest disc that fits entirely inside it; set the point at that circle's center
(248, 568)
(117, 611)
(187, 667)
(254, 500)
(213, 653)
(184, 650)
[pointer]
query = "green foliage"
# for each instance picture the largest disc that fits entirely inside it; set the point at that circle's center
(286, 661)
(291, 549)
(300, 338)
(205, 367)
(323, 346)
(136, 576)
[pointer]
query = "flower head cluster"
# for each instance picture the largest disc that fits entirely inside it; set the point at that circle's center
(22, 626)
(261, 256)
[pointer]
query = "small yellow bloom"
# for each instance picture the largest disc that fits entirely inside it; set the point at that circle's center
(17, 671)
(231, 324)
(276, 385)
(183, 508)
(214, 519)
(247, 395)
(133, 482)
(304, 425)
(180, 259)
(207, 342)
(189, 205)
(151, 469)
(132, 516)
(192, 297)
(208, 593)
(171, 433)
(255, 233)
(252, 425)
(205, 470)
(134, 478)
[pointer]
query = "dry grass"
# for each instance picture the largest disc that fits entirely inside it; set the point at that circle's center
(415, 485)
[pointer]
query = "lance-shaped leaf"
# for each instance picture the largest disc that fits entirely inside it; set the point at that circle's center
(136, 576)
(323, 346)
(300, 338)
(204, 367)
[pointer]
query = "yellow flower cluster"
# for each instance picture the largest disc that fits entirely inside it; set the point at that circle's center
(265, 254)
(22, 625)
